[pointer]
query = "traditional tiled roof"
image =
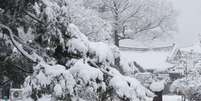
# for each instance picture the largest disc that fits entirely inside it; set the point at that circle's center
(149, 57)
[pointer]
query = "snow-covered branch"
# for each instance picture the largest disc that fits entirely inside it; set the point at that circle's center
(30, 55)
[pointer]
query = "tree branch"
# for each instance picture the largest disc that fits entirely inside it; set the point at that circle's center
(33, 17)
(33, 57)
(96, 66)
(149, 26)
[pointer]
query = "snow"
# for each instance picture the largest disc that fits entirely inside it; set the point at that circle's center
(195, 48)
(51, 9)
(77, 46)
(94, 27)
(128, 67)
(26, 36)
(130, 88)
(75, 32)
(172, 98)
(58, 90)
(44, 80)
(45, 75)
(143, 44)
(82, 80)
(149, 60)
(157, 86)
(174, 50)
(36, 8)
(85, 72)
(79, 42)
(102, 52)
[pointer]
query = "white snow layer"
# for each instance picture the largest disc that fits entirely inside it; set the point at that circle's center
(157, 86)
(130, 88)
(103, 52)
(172, 98)
(195, 48)
(76, 46)
(80, 44)
(149, 60)
(63, 81)
(46, 76)
(58, 90)
(143, 44)
(85, 72)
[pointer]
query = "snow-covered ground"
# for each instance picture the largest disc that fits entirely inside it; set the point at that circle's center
(172, 98)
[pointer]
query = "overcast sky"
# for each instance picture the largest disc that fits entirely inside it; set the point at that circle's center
(189, 21)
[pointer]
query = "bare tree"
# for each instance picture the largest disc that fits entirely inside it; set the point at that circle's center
(138, 16)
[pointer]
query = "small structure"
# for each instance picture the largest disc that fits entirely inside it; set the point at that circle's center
(184, 59)
(16, 94)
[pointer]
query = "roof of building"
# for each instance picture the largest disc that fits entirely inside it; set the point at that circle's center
(143, 44)
(194, 48)
(153, 56)
(156, 60)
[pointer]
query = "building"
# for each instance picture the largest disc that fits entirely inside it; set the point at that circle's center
(150, 58)
(154, 61)
(185, 59)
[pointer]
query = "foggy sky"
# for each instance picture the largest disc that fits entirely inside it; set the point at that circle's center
(189, 21)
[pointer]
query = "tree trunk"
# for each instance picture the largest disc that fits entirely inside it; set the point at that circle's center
(116, 38)
(116, 42)
(116, 34)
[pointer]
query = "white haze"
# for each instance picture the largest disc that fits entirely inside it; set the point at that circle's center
(189, 21)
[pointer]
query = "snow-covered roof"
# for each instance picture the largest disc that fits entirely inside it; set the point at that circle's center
(149, 59)
(150, 56)
(174, 50)
(143, 44)
(194, 48)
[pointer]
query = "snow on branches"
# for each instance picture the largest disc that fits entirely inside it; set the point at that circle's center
(87, 78)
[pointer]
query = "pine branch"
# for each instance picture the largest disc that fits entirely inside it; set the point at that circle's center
(33, 17)
(33, 56)
(101, 69)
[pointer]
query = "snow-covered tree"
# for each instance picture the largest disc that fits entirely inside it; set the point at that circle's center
(136, 19)
(89, 75)
(88, 78)
(132, 17)
(66, 64)
(188, 86)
